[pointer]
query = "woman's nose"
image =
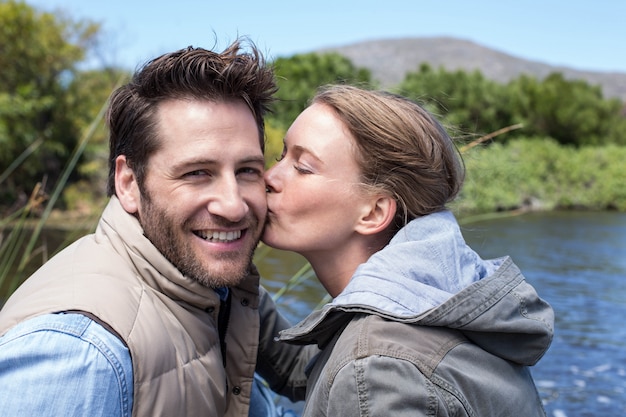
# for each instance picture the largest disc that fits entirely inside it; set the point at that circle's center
(271, 180)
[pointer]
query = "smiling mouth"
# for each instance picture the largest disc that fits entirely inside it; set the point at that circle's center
(222, 237)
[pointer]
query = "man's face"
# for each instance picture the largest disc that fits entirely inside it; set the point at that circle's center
(203, 203)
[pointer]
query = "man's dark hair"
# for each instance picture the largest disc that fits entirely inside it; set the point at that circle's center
(190, 73)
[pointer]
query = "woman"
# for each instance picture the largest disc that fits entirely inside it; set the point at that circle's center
(419, 323)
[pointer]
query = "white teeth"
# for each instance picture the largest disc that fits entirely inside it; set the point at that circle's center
(219, 236)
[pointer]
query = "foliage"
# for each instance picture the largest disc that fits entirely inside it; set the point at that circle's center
(273, 143)
(540, 174)
(87, 94)
(299, 77)
(18, 248)
(570, 111)
(46, 102)
(467, 102)
(38, 54)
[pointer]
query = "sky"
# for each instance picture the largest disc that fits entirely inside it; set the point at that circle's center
(585, 35)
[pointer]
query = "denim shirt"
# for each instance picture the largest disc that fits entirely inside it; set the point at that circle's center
(64, 365)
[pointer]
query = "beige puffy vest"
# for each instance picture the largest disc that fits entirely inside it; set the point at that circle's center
(168, 322)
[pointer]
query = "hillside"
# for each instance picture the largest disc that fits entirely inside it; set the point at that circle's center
(390, 59)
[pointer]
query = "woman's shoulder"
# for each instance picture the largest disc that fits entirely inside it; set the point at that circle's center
(371, 335)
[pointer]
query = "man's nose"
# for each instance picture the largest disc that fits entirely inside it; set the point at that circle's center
(227, 201)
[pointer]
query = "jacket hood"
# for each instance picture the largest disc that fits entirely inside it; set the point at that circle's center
(427, 275)
(426, 263)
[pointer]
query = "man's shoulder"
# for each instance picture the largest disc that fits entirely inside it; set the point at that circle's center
(64, 329)
(93, 359)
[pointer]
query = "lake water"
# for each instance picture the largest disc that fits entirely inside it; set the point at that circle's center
(577, 262)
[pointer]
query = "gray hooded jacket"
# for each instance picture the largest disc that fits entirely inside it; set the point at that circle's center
(428, 328)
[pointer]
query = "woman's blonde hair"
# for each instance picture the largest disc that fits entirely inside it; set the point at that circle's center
(402, 150)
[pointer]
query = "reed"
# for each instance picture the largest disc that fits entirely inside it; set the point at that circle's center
(21, 230)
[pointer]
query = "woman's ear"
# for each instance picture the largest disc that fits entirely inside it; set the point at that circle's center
(377, 216)
(126, 187)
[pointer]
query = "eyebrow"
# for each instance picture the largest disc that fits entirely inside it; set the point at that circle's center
(254, 160)
(207, 161)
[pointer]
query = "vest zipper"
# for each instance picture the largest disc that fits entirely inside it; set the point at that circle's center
(222, 325)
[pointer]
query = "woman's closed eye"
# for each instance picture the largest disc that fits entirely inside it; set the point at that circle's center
(302, 170)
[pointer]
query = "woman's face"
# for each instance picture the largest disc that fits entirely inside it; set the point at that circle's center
(314, 199)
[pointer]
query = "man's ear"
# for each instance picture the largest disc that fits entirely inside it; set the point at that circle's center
(377, 216)
(126, 187)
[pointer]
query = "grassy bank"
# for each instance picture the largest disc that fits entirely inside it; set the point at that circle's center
(539, 174)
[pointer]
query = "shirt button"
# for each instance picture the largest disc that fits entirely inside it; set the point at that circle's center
(210, 310)
(236, 390)
(245, 302)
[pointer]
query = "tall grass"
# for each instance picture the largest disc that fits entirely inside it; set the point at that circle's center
(21, 230)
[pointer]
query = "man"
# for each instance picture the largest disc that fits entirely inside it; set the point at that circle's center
(159, 312)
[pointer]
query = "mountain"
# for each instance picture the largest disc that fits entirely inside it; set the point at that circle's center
(390, 59)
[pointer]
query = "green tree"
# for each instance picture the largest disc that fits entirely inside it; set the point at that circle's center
(465, 101)
(38, 56)
(300, 75)
(570, 111)
(87, 95)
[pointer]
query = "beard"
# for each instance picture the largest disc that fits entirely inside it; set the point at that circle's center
(174, 241)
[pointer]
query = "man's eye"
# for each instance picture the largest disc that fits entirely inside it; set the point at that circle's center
(197, 173)
(251, 171)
